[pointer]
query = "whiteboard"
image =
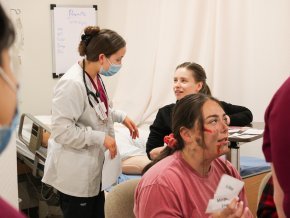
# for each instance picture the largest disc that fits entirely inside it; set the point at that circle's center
(68, 24)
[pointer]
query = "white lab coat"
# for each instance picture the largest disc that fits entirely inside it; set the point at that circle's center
(76, 147)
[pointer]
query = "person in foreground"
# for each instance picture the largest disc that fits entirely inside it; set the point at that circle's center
(8, 99)
(83, 125)
(276, 148)
(184, 177)
(189, 78)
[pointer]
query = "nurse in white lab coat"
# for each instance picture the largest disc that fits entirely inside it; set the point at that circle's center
(82, 125)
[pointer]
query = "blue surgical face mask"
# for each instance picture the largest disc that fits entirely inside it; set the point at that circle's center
(113, 69)
(6, 131)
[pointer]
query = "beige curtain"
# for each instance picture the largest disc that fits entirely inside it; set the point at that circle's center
(244, 46)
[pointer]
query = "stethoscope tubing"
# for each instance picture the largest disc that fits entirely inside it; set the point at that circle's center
(96, 95)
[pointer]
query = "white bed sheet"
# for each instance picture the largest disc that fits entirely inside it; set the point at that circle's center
(126, 145)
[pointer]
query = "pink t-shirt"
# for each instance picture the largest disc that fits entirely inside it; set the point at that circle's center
(171, 188)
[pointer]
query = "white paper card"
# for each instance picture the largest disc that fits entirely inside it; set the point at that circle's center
(227, 189)
(217, 204)
(229, 186)
(111, 170)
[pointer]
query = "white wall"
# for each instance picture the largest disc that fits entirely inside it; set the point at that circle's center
(35, 49)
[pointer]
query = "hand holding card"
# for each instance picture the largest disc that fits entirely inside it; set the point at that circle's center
(228, 188)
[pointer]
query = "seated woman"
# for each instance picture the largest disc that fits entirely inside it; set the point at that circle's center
(185, 176)
(189, 78)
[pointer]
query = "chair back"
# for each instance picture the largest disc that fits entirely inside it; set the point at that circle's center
(120, 200)
(262, 185)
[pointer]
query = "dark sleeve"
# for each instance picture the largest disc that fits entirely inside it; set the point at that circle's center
(266, 207)
(240, 116)
(160, 128)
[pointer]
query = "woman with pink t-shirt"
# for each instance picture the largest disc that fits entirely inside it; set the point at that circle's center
(185, 176)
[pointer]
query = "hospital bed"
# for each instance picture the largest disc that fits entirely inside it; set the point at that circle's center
(32, 141)
(36, 197)
(33, 132)
(32, 147)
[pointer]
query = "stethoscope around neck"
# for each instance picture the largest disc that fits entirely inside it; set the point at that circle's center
(96, 95)
(94, 98)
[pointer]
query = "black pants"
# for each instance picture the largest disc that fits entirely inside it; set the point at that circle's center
(78, 207)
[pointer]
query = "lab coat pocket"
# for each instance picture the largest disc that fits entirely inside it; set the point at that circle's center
(50, 168)
(75, 168)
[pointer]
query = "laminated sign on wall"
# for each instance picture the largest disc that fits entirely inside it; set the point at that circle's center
(68, 24)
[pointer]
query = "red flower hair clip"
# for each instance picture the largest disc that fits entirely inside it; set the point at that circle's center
(170, 140)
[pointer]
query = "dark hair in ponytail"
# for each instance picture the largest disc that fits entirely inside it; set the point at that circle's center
(186, 113)
(198, 74)
(96, 41)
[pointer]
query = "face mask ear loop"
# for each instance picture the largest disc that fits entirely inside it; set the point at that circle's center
(7, 131)
(108, 61)
(8, 80)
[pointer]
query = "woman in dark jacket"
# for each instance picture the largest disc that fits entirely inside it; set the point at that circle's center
(189, 78)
